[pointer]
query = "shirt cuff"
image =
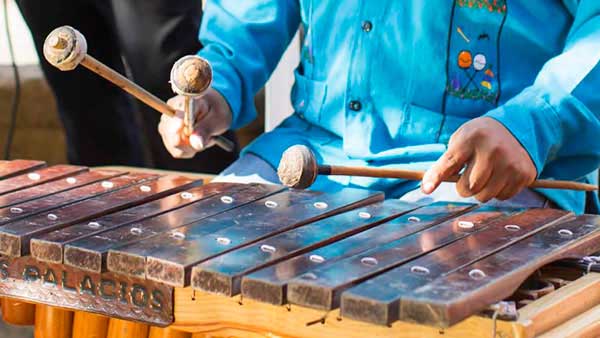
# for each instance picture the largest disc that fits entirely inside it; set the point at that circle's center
(533, 122)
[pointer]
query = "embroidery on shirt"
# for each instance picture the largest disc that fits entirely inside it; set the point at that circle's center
(491, 5)
(473, 50)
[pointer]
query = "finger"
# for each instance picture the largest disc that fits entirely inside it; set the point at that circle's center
(201, 109)
(204, 129)
(463, 184)
(176, 152)
(449, 164)
(475, 177)
(197, 142)
(513, 187)
(497, 183)
(174, 140)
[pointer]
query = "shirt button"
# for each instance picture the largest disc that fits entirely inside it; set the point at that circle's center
(355, 105)
(367, 26)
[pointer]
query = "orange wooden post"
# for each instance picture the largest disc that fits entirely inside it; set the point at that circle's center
(118, 328)
(89, 325)
(52, 322)
(16, 312)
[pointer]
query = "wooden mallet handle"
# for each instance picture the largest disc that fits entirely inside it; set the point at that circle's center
(299, 169)
(66, 48)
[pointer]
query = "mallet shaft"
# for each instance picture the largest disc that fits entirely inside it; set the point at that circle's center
(141, 94)
(188, 122)
(418, 175)
(127, 85)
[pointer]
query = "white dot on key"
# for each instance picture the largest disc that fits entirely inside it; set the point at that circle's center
(94, 225)
(16, 210)
(34, 176)
(512, 227)
(477, 274)
(227, 199)
(71, 180)
(267, 248)
(186, 195)
(107, 184)
(316, 258)
(271, 204)
(465, 224)
(364, 215)
(178, 235)
(320, 205)
(135, 231)
(52, 217)
(223, 240)
(145, 188)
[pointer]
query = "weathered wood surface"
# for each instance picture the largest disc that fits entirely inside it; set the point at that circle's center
(59, 238)
(270, 284)
(54, 187)
(321, 288)
(171, 256)
(39, 176)
(459, 294)
(102, 198)
(223, 274)
(40, 205)
(16, 167)
(25, 230)
(381, 305)
(90, 253)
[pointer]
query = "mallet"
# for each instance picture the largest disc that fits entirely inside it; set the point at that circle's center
(299, 169)
(66, 48)
(191, 76)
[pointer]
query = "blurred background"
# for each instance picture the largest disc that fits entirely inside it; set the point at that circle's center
(37, 132)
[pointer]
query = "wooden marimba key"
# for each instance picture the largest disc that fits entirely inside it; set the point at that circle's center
(123, 250)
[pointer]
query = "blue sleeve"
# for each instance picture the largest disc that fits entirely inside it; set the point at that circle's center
(557, 119)
(243, 41)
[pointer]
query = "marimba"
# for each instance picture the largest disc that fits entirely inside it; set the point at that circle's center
(107, 253)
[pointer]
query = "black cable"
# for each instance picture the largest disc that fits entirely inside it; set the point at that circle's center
(17, 95)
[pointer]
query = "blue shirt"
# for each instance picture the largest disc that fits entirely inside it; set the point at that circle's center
(387, 82)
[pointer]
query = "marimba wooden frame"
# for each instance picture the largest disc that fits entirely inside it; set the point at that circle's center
(218, 316)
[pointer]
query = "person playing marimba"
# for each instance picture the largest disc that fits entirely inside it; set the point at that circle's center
(504, 90)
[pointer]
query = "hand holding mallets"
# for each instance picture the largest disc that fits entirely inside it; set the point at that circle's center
(66, 48)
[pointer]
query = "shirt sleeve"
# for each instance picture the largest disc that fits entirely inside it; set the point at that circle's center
(557, 119)
(243, 41)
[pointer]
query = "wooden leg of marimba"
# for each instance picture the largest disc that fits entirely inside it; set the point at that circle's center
(157, 332)
(89, 325)
(16, 312)
(118, 328)
(51, 322)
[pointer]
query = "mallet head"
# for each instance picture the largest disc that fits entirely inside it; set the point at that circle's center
(65, 47)
(191, 76)
(298, 167)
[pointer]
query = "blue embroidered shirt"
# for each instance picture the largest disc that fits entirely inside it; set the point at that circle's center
(387, 82)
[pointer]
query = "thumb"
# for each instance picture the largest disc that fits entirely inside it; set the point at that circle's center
(197, 141)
